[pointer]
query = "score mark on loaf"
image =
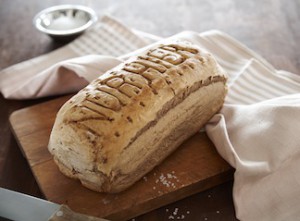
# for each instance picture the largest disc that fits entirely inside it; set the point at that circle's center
(123, 124)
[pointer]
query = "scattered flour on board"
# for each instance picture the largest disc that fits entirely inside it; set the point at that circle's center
(168, 180)
(177, 214)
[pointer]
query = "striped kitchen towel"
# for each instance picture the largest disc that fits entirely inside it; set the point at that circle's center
(38, 77)
(257, 131)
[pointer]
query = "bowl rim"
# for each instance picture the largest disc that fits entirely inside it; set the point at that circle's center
(37, 19)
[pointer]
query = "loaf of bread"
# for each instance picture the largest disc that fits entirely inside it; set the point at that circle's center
(123, 124)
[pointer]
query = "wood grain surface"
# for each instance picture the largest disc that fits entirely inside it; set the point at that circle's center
(194, 167)
(271, 28)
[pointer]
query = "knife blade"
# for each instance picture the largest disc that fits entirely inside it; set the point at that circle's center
(21, 207)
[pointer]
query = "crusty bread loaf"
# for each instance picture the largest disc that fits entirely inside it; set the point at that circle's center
(128, 120)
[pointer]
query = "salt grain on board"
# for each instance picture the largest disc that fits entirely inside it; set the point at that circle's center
(175, 211)
(105, 201)
(167, 180)
(177, 214)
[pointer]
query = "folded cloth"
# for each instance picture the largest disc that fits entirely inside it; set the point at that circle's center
(256, 131)
(42, 76)
(261, 140)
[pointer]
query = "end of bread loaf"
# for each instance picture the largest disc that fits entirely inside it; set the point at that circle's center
(127, 121)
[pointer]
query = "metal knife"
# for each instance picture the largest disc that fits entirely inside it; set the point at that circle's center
(21, 207)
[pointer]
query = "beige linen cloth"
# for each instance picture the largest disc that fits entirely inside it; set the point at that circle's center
(53, 74)
(257, 130)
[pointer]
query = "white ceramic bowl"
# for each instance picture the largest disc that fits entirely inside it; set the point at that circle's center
(65, 22)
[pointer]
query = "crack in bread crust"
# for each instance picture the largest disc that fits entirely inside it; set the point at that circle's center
(174, 102)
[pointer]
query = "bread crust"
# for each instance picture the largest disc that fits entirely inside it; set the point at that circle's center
(131, 118)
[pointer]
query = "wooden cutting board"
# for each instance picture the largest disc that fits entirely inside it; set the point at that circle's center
(194, 167)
